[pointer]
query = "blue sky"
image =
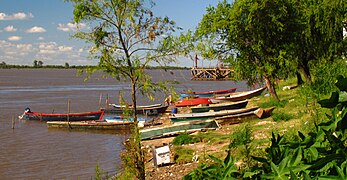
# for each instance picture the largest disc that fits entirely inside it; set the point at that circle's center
(41, 29)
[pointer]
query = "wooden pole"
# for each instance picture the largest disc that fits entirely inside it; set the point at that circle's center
(68, 112)
(100, 100)
(13, 122)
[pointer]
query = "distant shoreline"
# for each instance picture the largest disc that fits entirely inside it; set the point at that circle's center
(6, 66)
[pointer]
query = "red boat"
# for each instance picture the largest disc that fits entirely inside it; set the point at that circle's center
(192, 102)
(85, 116)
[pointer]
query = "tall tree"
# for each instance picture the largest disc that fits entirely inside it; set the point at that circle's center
(252, 36)
(126, 37)
(319, 35)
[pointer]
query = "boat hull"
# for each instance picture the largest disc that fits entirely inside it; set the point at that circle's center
(220, 106)
(149, 111)
(238, 96)
(208, 115)
(86, 116)
(92, 125)
(192, 102)
(207, 93)
(158, 132)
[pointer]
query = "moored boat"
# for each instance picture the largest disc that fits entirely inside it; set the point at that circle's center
(206, 93)
(192, 102)
(84, 116)
(92, 125)
(219, 106)
(141, 120)
(238, 96)
(148, 110)
(176, 128)
(208, 115)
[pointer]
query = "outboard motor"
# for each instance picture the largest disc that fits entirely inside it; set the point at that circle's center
(27, 110)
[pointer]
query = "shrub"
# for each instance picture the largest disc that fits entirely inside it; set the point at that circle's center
(280, 116)
(183, 138)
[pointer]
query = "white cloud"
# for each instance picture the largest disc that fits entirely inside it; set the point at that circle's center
(64, 48)
(16, 16)
(10, 29)
(14, 38)
(41, 38)
(36, 29)
(51, 53)
(71, 27)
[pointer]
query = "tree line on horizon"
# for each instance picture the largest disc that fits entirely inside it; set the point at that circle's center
(39, 64)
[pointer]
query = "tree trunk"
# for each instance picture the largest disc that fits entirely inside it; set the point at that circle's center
(139, 155)
(299, 79)
(306, 71)
(271, 88)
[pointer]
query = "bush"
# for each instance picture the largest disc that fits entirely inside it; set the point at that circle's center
(280, 116)
(183, 138)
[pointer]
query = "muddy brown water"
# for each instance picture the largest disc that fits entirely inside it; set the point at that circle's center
(32, 151)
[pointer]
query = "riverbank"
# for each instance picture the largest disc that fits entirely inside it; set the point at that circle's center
(292, 114)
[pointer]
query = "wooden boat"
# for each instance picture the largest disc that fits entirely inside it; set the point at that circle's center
(219, 106)
(192, 102)
(236, 118)
(149, 110)
(176, 128)
(141, 120)
(92, 125)
(238, 96)
(84, 116)
(208, 115)
(206, 93)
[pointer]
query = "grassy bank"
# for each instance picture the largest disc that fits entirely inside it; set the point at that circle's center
(298, 110)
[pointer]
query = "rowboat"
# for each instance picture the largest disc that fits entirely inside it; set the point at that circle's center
(92, 125)
(149, 110)
(219, 106)
(208, 115)
(238, 96)
(176, 128)
(141, 120)
(235, 118)
(206, 93)
(84, 116)
(192, 102)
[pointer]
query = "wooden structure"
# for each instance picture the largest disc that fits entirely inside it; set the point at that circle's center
(211, 73)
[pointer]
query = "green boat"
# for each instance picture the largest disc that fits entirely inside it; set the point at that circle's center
(176, 128)
(220, 106)
(208, 115)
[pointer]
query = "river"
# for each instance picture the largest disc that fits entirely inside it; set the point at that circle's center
(32, 151)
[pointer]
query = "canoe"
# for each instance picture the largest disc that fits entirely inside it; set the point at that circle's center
(176, 128)
(84, 116)
(238, 96)
(149, 110)
(220, 106)
(192, 102)
(92, 125)
(141, 120)
(206, 93)
(208, 115)
(235, 118)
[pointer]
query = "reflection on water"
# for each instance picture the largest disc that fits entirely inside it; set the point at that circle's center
(32, 151)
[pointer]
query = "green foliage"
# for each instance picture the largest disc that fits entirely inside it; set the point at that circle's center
(183, 138)
(218, 170)
(273, 103)
(281, 116)
(183, 154)
(325, 76)
(317, 154)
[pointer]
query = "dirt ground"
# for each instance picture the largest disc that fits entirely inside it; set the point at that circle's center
(173, 171)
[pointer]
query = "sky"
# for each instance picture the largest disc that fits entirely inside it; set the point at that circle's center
(41, 29)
